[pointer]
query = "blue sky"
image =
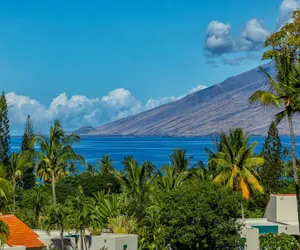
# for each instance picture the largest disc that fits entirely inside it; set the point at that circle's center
(143, 50)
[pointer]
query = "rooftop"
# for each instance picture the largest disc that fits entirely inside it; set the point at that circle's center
(20, 234)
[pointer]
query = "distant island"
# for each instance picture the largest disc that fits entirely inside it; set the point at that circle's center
(206, 112)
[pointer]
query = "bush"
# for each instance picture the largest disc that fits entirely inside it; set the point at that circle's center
(90, 184)
(278, 242)
(202, 216)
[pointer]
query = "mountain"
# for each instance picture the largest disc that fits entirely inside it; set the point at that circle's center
(209, 111)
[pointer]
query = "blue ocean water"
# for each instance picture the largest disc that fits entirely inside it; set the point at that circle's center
(155, 149)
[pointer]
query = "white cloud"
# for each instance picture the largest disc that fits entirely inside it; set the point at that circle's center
(218, 38)
(153, 103)
(220, 41)
(119, 97)
(196, 89)
(79, 110)
(285, 11)
(253, 36)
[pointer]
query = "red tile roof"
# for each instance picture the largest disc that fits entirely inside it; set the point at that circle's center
(20, 234)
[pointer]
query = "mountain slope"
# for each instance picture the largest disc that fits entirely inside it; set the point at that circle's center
(209, 111)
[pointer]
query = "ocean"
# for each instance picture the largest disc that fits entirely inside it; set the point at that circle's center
(155, 149)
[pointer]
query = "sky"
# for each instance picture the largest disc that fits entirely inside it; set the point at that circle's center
(87, 63)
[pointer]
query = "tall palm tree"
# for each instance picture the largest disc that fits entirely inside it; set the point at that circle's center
(4, 233)
(56, 154)
(236, 163)
(106, 165)
(18, 162)
(284, 93)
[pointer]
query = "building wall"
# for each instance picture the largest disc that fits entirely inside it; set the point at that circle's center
(114, 242)
(289, 229)
(286, 208)
(270, 212)
(105, 241)
(14, 248)
(252, 238)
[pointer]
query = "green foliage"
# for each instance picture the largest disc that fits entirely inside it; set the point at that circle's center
(90, 185)
(278, 242)
(4, 131)
(17, 163)
(236, 163)
(284, 93)
(205, 217)
(56, 156)
(106, 165)
(4, 233)
(271, 171)
(180, 160)
(34, 205)
(286, 41)
(255, 207)
(28, 177)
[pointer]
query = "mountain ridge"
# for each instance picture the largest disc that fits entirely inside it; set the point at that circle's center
(206, 112)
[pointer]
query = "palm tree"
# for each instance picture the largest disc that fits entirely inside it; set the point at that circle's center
(4, 233)
(106, 165)
(56, 155)
(58, 215)
(168, 178)
(5, 185)
(134, 180)
(18, 162)
(83, 216)
(180, 161)
(236, 163)
(201, 173)
(284, 93)
(91, 169)
(36, 200)
(135, 184)
(108, 207)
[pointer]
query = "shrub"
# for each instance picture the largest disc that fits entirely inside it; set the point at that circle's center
(202, 216)
(281, 241)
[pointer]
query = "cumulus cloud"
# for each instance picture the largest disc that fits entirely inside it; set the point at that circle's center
(253, 36)
(285, 11)
(79, 110)
(219, 40)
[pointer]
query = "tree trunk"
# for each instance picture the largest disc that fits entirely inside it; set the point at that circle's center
(296, 180)
(53, 188)
(81, 240)
(62, 237)
(85, 243)
(14, 196)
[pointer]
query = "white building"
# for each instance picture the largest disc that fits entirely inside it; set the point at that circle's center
(280, 217)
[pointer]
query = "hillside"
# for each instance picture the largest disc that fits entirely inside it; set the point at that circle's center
(209, 111)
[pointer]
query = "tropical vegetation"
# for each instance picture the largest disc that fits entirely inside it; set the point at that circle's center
(49, 185)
